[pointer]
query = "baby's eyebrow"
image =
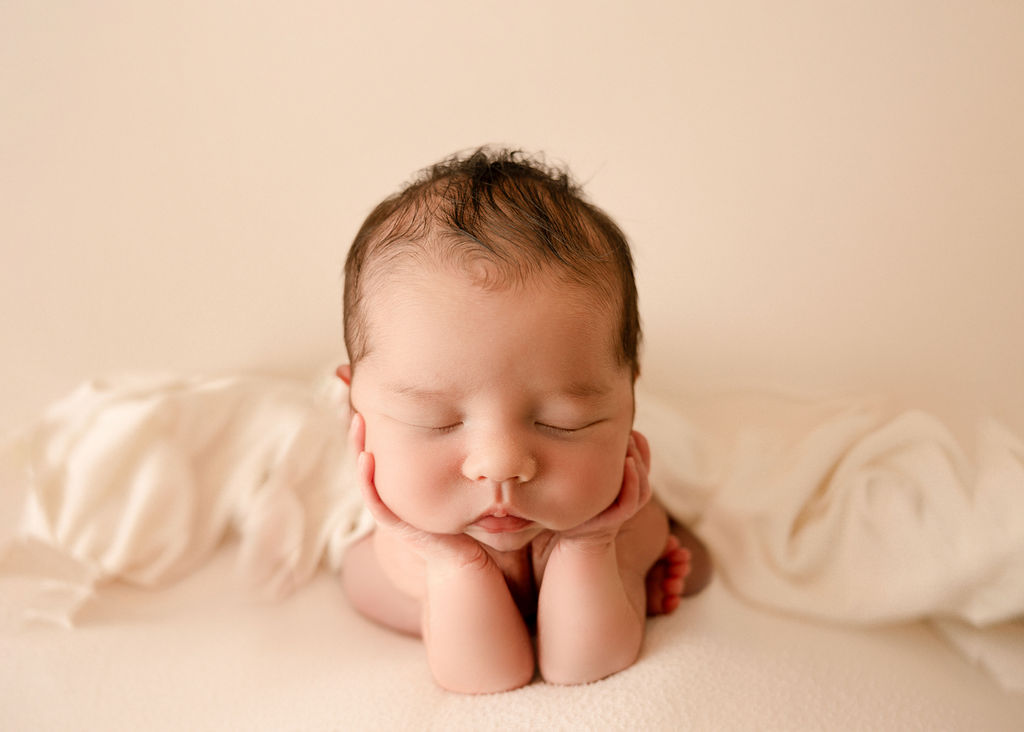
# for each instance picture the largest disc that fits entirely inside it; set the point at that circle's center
(417, 393)
(581, 390)
(585, 389)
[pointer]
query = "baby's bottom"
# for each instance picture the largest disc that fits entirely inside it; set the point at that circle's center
(683, 569)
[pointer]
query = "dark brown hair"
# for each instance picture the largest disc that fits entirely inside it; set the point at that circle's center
(512, 213)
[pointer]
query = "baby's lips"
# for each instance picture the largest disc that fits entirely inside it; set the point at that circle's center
(502, 524)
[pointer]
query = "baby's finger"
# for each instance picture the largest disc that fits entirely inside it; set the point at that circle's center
(364, 477)
(645, 492)
(629, 496)
(357, 434)
(643, 482)
(378, 509)
(643, 450)
(623, 506)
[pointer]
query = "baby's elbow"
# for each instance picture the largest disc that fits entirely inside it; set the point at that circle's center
(491, 681)
(585, 670)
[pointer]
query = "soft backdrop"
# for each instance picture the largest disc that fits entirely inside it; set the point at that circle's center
(822, 196)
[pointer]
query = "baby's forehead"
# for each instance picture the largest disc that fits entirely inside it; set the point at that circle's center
(410, 280)
(396, 304)
(499, 261)
(444, 323)
(417, 274)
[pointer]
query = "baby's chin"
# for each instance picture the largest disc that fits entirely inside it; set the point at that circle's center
(506, 541)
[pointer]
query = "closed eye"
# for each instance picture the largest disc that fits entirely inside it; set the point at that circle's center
(564, 430)
(446, 428)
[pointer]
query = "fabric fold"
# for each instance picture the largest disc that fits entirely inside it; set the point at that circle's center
(140, 479)
(846, 510)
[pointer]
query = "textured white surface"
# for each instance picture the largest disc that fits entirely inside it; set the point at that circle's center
(200, 657)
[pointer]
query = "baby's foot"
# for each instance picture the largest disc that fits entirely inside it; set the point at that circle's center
(665, 580)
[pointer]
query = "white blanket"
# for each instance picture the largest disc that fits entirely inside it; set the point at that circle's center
(845, 511)
(141, 478)
(833, 509)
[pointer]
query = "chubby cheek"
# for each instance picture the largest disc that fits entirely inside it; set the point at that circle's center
(590, 483)
(417, 481)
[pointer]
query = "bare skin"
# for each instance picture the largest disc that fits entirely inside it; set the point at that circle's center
(510, 492)
(666, 579)
(624, 560)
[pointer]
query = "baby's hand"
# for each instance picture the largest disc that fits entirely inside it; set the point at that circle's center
(601, 530)
(441, 552)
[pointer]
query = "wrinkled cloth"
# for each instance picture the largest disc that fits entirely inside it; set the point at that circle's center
(846, 510)
(139, 479)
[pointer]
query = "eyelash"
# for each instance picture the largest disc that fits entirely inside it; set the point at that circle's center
(558, 430)
(446, 429)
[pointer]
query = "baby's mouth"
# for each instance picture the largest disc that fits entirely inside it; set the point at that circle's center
(496, 522)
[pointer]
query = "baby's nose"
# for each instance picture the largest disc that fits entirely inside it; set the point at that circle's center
(500, 461)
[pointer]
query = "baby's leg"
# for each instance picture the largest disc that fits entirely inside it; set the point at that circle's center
(683, 569)
(373, 594)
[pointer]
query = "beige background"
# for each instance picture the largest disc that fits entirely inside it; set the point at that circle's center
(822, 196)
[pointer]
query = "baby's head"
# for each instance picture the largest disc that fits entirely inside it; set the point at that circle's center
(491, 322)
(501, 219)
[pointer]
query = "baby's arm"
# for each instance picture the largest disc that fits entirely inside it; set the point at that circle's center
(475, 636)
(592, 605)
(476, 639)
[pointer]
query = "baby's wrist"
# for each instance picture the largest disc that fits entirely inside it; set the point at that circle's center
(445, 566)
(587, 545)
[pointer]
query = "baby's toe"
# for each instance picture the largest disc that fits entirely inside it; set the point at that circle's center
(673, 586)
